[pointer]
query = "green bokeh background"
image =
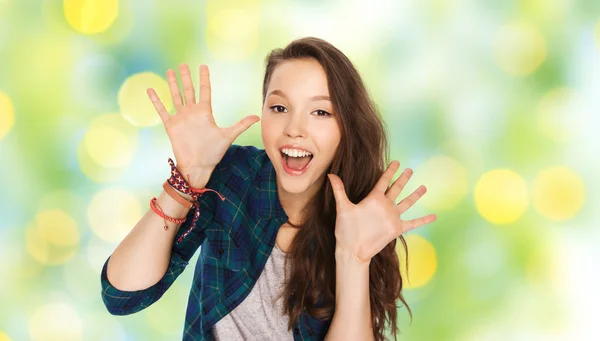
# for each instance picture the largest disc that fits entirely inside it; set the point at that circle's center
(486, 100)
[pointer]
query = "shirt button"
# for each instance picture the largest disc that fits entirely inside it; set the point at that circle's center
(221, 251)
(296, 331)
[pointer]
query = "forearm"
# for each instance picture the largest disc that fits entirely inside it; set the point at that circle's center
(352, 317)
(143, 256)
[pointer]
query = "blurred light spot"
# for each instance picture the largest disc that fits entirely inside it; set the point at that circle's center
(107, 148)
(57, 321)
(94, 171)
(232, 33)
(4, 337)
(134, 103)
(91, 16)
(558, 193)
(422, 260)
(501, 196)
(549, 12)
(446, 181)
(519, 49)
(53, 238)
(7, 114)
(111, 141)
(556, 112)
(113, 213)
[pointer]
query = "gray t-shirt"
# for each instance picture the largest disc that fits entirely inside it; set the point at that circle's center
(259, 316)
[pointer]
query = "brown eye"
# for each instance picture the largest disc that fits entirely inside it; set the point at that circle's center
(277, 106)
(322, 113)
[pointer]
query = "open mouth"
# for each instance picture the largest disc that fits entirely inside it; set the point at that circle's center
(296, 163)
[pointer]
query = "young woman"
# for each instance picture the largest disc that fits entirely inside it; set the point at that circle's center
(311, 218)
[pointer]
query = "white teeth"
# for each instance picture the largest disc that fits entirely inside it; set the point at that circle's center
(295, 152)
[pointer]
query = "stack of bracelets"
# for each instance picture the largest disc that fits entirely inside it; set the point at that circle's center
(176, 181)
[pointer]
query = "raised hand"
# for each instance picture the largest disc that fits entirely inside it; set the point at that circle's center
(198, 143)
(366, 228)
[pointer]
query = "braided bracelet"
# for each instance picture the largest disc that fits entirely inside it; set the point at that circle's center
(178, 182)
(158, 210)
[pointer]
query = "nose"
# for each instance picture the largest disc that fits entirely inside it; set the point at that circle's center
(296, 125)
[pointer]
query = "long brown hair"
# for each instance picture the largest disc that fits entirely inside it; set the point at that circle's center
(360, 160)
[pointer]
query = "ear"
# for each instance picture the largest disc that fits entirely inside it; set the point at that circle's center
(339, 191)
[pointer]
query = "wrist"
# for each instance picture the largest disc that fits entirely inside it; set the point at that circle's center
(195, 177)
(345, 256)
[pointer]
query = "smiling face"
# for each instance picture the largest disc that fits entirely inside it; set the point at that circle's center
(298, 120)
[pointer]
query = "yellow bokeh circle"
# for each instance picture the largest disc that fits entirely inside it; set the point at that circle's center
(57, 321)
(501, 196)
(134, 103)
(111, 141)
(53, 238)
(113, 212)
(94, 171)
(4, 337)
(558, 193)
(446, 181)
(107, 148)
(422, 261)
(224, 37)
(91, 16)
(7, 114)
(519, 49)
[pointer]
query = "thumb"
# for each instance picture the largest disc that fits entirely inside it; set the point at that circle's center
(235, 130)
(339, 191)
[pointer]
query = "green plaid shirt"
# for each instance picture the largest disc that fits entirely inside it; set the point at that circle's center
(237, 236)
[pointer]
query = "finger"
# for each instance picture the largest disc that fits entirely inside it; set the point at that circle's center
(174, 88)
(410, 200)
(160, 108)
(339, 191)
(235, 130)
(398, 185)
(205, 85)
(188, 86)
(386, 177)
(414, 223)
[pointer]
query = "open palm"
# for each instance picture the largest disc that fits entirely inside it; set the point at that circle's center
(197, 142)
(364, 229)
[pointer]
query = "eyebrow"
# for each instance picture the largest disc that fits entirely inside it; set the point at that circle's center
(314, 98)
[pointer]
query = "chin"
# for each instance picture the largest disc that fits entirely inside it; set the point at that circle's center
(292, 185)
